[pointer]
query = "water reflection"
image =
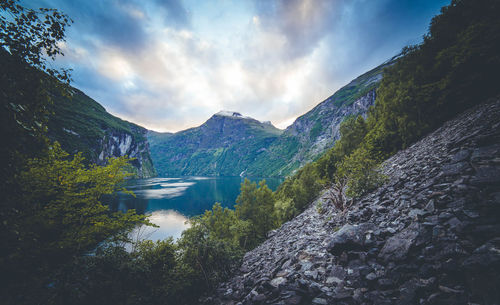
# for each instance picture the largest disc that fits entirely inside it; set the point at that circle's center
(170, 222)
(170, 201)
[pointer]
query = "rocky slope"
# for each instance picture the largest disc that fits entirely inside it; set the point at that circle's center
(430, 235)
(224, 145)
(81, 124)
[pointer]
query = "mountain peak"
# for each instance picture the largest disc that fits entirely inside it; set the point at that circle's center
(234, 115)
(229, 113)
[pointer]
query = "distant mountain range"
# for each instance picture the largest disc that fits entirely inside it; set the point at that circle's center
(227, 144)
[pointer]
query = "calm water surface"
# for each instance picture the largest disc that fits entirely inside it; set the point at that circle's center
(170, 201)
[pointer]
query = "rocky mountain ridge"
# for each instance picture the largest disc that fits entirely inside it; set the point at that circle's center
(429, 235)
(270, 152)
(222, 146)
(318, 129)
(80, 124)
(308, 137)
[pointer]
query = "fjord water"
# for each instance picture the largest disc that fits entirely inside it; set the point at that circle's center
(170, 201)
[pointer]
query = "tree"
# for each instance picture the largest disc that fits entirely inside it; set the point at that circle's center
(360, 172)
(204, 260)
(454, 68)
(255, 205)
(28, 39)
(29, 34)
(59, 217)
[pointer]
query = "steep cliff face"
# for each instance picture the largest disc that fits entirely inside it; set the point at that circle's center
(134, 145)
(316, 131)
(430, 235)
(81, 124)
(223, 146)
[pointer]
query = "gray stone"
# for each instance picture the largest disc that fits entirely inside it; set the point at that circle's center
(319, 301)
(420, 247)
(385, 283)
(462, 155)
(430, 206)
(294, 300)
(313, 274)
(371, 276)
(396, 248)
(349, 237)
(416, 213)
(333, 279)
(485, 152)
(259, 298)
(276, 282)
(455, 169)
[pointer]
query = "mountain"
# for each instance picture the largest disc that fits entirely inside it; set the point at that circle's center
(80, 124)
(316, 131)
(230, 144)
(225, 145)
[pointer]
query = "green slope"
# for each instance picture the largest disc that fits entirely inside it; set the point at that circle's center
(222, 146)
(317, 130)
(81, 124)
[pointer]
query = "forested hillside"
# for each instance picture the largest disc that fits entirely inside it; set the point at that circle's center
(80, 124)
(225, 145)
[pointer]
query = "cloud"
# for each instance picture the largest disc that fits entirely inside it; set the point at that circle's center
(123, 24)
(303, 23)
(170, 64)
(174, 13)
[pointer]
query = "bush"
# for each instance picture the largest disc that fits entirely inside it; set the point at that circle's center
(360, 171)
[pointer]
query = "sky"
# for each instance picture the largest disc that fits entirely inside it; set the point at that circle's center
(168, 65)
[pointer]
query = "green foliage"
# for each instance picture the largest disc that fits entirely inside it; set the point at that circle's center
(260, 150)
(52, 213)
(174, 272)
(255, 205)
(284, 208)
(320, 208)
(57, 216)
(64, 201)
(296, 192)
(352, 131)
(454, 68)
(222, 146)
(275, 161)
(360, 171)
(207, 260)
(316, 130)
(29, 34)
(148, 275)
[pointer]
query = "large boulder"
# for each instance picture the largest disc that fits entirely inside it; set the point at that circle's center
(348, 238)
(397, 247)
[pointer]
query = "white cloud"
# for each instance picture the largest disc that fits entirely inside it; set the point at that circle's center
(273, 63)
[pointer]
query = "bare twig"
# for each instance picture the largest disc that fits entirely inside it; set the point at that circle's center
(336, 194)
